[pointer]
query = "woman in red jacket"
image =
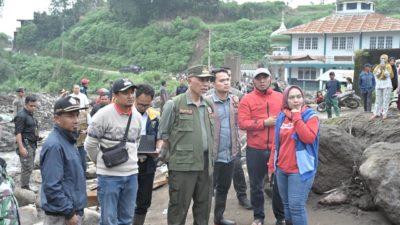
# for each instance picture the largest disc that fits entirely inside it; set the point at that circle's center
(294, 157)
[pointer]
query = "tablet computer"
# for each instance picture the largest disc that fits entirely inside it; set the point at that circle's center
(147, 144)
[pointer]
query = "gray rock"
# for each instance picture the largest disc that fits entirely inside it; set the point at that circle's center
(364, 202)
(337, 197)
(91, 171)
(338, 153)
(91, 217)
(25, 197)
(28, 214)
(381, 169)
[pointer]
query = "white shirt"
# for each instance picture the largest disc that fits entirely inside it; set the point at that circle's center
(144, 122)
(84, 101)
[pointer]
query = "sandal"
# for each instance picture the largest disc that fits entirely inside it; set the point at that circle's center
(257, 222)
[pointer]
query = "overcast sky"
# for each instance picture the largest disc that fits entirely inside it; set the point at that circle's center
(23, 9)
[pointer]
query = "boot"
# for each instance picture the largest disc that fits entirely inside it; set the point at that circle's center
(139, 219)
(225, 222)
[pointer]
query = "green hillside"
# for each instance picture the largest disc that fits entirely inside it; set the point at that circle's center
(102, 39)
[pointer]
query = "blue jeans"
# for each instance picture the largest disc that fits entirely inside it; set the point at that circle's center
(117, 198)
(294, 194)
(257, 168)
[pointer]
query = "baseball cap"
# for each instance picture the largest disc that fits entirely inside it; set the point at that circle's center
(261, 71)
(67, 104)
(122, 85)
(199, 71)
(20, 89)
(367, 65)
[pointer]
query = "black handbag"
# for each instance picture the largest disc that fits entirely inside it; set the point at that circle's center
(117, 154)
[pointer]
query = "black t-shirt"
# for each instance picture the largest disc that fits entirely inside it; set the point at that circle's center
(26, 125)
(96, 108)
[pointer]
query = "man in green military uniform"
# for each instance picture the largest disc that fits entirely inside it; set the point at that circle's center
(8, 203)
(187, 129)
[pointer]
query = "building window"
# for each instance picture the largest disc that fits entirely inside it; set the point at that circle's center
(335, 43)
(366, 6)
(314, 43)
(307, 73)
(351, 6)
(301, 43)
(381, 42)
(342, 43)
(340, 7)
(389, 41)
(349, 43)
(372, 43)
(307, 44)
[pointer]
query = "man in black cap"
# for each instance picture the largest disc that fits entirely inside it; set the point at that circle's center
(19, 101)
(63, 195)
(187, 129)
(117, 185)
(26, 136)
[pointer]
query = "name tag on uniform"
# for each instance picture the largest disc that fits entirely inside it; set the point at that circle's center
(186, 111)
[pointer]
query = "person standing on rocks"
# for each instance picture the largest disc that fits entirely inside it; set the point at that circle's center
(26, 135)
(182, 88)
(84, 101)
(383, 74)
(294, 157)
(116, 128)
(366, 82)
(257, 114)
(147, 163)
(332, 90)
(63, 196)
(226, 141)
(187, 129)
(19, 101)
(163, 95)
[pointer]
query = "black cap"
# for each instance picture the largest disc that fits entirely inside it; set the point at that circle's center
(67, 104)
(20, 89)
(122, 85)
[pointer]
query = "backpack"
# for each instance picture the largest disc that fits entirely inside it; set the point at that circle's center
(8, 203)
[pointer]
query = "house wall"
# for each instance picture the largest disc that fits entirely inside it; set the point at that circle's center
(295, 45)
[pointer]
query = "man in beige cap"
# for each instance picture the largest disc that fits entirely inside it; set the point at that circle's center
(187, 129)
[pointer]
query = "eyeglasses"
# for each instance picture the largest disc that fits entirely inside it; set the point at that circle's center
(145, 106)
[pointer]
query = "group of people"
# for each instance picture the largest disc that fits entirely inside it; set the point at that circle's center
(381, 79)
(199, 131)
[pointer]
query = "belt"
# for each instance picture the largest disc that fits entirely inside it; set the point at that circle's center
(77, 212)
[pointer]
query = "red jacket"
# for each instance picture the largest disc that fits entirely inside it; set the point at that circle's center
(254, 108)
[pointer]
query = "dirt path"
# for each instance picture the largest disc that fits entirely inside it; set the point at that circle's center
(318, 215)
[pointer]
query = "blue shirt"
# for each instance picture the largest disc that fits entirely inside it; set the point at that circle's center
(366, 82)
(225, 141)
(332, 87)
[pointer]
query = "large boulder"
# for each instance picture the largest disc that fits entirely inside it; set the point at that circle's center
(338, 153)
(25, 197)
(380, 169)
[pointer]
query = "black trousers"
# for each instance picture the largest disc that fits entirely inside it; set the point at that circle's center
(239, 180)
(145, 189)
(223, 173)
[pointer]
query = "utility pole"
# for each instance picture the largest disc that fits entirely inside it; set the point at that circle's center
(209, 49)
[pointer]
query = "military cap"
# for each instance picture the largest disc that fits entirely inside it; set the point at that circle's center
(199, 71)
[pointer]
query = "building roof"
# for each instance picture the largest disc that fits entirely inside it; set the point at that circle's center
(372, 22)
